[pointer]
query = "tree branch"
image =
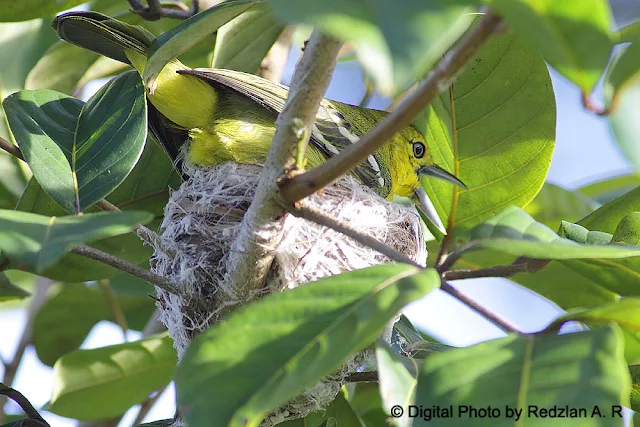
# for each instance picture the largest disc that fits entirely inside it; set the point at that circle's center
(115, 308)
(362, 377)
(127, 267)
(307, 212)
(24, 403)
(501, 323)
(303, 185)
(262, 225)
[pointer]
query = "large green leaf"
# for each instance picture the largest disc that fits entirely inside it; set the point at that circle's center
(11, 11)
(514, 232)
(225, 380)
(529, 373)
(242, 43)
(35, 242)
(630, 33)
(610, 188)
(65, 320)
(495, 130)
(105, 382)
(81, 153)
(44, 123)
(572, 36)
(189, 32)
(395, 41)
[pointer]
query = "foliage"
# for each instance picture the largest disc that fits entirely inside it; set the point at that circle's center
(493, 126)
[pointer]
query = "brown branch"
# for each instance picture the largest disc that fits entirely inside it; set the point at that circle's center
(501, 323)
(262, 225)
(24, 403)
(589, 104)
(11, 149)
(321, 218)
(127, 267)
(303, 185)
(147, 405)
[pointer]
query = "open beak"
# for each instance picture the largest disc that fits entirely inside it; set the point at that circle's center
(425, 203)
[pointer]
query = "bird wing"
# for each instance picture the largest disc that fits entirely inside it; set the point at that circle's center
(331, 133)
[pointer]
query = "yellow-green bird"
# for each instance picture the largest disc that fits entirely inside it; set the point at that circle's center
(229, 116)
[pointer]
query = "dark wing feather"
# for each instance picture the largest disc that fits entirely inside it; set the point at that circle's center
(168, 134)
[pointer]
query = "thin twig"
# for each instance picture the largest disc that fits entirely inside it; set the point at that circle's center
(303, 185)
(127, 267)
(503, 324)
(24, 403)
(445, 262)
(262, 226)
(114, 306)
(321, 218)
(147, 405)
(11, 149)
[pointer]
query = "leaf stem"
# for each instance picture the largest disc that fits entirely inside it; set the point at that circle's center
(24, 403)
(114, 306)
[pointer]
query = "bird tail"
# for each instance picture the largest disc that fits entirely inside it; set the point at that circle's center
(106, 36)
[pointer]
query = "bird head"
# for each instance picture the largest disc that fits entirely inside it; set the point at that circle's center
(421, 163)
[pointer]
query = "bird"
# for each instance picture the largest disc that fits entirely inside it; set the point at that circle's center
(226, 115)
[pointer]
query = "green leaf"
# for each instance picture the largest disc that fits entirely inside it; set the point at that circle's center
(36, 242)
(65, 320)
(625, 312)
(8, 199)
(9, 291)
(608, 189)
(111, 133)
(80, 156)
(395, 41)
(308, 332)
(514, 232)
(572, 36)
(339, 412)
(186, 34)
(608, 216)
(624, 70)
(628, 34)
(367, 404)
(397, 383)
(44, 122)
(581, 370)
(242, 43)
(12, 11)
(495, 130)
(554, 204)
(628, 230)
(105, 382)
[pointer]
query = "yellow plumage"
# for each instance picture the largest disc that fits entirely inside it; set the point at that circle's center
(229, 116)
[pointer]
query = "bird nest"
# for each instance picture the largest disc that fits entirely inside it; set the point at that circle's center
(204, 216)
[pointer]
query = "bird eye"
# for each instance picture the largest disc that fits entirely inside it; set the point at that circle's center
(418, 150)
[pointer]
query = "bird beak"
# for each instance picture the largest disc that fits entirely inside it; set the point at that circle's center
(426, 205)
(437, 172)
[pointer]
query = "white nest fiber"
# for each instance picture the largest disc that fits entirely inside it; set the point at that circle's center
(203, 218)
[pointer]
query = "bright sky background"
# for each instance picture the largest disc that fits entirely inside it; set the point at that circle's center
(584, 152)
